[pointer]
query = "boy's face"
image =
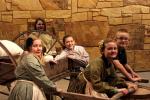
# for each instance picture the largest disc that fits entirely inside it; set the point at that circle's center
(122, 39)
(69, 43)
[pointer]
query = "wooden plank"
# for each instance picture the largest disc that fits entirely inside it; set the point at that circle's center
(58, 70)
(139, 94)
(77, 96)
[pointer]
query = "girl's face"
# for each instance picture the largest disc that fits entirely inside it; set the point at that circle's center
(110, 50)
(40, 25)
(36, 47)
(122, 39)
(69, 43)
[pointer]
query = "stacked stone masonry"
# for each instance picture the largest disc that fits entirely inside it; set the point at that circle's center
(83, 19)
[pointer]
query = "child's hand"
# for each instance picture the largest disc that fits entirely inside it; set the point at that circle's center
(123, 90)
(135, 75)
(135, 79)
(132, 85)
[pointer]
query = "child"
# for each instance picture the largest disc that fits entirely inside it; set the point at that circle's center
(122, 39)
(101, 73)
(32, 81)
(77, 58)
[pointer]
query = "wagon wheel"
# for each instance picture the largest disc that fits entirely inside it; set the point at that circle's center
(9, 54)
(24, 35)
(57, 40)
(21, 37)
(14, 65)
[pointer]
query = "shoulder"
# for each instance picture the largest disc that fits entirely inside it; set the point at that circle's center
(33, 34)
(45, 35)
(29, 55)
(80, 48)
(77, 46)
(30, 58)
(96, 63)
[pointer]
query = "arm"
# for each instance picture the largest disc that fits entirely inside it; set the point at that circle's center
(93, 74)
(37, 74)
(79, 54)
(62, 55)
(134, 75)
(85, 56)
(123, 70)
(128, 68)
(119, 66)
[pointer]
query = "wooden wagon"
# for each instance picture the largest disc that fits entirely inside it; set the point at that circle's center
(56, 72)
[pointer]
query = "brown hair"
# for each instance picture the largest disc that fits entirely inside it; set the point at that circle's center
(65, 37)
(123, 30)
(29, 43)
(40, 19)
(103, 42)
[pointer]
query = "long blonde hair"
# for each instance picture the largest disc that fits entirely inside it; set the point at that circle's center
(28, 44)
(103, 42)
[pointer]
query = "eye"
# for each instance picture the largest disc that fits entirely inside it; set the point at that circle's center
(115, 48)
(123, 38)
(110, 48)
(40, 24)
(35, 45)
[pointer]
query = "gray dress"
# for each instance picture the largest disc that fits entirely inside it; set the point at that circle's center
(30, 68)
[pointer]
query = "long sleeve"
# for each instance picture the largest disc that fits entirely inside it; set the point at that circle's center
(62, 55)
(82, 54)
(78, 54)
(95, 74)
(37, 74)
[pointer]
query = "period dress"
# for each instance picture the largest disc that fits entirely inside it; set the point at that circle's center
(101, 74)
(78, 59)
(32, 81)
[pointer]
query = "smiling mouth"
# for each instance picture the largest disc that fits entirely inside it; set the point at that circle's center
(38, 52)
(114, 54)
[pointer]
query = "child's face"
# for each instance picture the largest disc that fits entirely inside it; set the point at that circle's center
(69, 43)
(110, 50)
(40, 25)
(36, 47)
(122, 39)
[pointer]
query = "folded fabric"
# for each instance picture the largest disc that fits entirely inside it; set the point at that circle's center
(12, 47)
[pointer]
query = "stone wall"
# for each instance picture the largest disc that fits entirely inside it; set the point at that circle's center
(88, 21)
